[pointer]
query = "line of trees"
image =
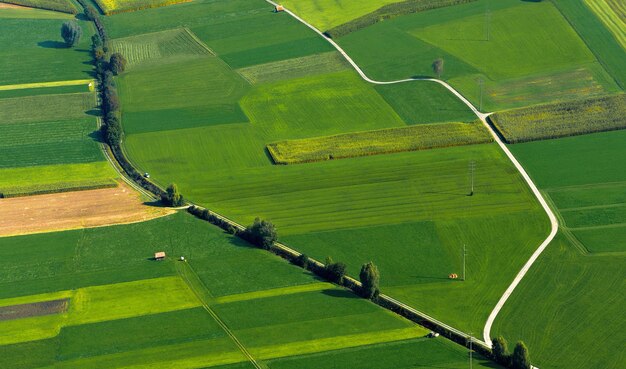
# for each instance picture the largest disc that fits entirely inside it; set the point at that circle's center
(519, 359)
(172, 196)
(261, 233)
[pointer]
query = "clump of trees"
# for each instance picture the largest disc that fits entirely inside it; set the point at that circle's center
(71, 33)
(370, 279)
(438, 67)
(117, 63)
(261, 233)
(520, 358)
(172, 196)
(302, 261)
(334, 271)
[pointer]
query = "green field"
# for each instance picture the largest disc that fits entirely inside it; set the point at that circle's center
(127, 310)
(562, 120)
(65, 6)
(486, 40)
(120, 6)
(572, 290)
(613, 14)
(350, 145)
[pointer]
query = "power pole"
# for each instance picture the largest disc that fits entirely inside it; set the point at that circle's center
(464, 256)
(488, 16)
(470, 350)
(472, 166)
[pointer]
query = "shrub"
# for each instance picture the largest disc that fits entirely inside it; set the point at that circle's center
(117, 63)
(501, 351)
(520, 358)
(71, 33)
(302, 261)
(172, 196)
(261, 233)
(335, 271)
(370, 279)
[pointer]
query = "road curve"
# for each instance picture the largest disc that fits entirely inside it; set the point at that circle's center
(483, 117)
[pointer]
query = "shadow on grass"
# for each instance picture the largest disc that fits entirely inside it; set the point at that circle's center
(52, 44)
(96, 136)
(341, 294)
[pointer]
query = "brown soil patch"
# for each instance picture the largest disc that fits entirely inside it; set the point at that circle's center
(71, 210)
(33, 309)
(12, 6)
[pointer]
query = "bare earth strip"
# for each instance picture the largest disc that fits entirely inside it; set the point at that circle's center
(12, 6)
(72, 210)
(33, 309)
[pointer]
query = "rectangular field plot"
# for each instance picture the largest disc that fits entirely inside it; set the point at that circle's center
(613, 14)
(120, 6)
(420, 137)
(563, 119)
(45, 108)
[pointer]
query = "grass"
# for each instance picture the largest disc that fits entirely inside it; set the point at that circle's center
(513, 63)
(64, 6)
(34, 52)
(571, 292)
(120, 6)
(613, 15)
(563, 119)
(23, 92)
(49, 143)
(295, 68)
(160, 47)
(144, 109)
(45, 108)
(420, 137)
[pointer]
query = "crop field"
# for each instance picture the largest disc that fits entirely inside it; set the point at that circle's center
(350, 145)
(613, 14)
(120, 6)
(64, 6)
(563, 119)
(125, 309)
(490, 45)
(33, 51)
(572, 291)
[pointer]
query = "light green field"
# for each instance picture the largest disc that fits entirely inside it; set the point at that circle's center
(613, 14)
(45, 108)
(350, 145)
(326, 14)
(64, 6)
(161, 47)
(571, 291)
(120, 6)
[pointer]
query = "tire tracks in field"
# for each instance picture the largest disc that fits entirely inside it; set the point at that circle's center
(483, 118)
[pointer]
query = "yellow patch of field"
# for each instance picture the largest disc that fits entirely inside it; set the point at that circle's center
(120, 6)
(75, 82)
(31, 329)
(613, 14)
(36, 298)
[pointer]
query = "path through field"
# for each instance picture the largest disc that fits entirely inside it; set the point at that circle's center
(483, 117)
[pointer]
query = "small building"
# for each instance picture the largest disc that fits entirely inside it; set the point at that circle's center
(279, 8)
(159, 255)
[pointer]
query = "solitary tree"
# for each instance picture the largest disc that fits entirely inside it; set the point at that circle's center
(335, 271)
(172, 196)
(500, 351)
(71, 32)
(370, 278)
(520, 358)
(261, 233)
(117, 63)
(438, 67)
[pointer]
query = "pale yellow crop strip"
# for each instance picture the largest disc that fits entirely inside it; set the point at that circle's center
(22, 86)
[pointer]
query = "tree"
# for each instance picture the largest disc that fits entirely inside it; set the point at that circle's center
(500, 351)
(96, 41)
(302, 261)
(335, 271)
(71, 32)
(172, 196)
(520, 358)
(261, 233)
(370, 278)
(117, 63)
(112, 131)
(438, 67)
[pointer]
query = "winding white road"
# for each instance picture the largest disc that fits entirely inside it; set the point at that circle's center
(483, 117)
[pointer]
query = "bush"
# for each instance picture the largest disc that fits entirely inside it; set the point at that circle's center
(500, 351)
(261, 233)
(302, 261)
(71, 33)
(172, 196)
(370, 279)
(334, 271)
(520, 358)
(390, 11)
(117, 63)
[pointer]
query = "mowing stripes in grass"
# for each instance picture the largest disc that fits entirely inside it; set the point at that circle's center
(613, 14)
(64, 6)
(45, 108)
(419, 137)
(562, 119)
(295, 68)
(120, 6)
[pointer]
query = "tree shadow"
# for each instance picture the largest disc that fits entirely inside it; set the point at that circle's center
(340, 294)
(96, 136)
(52, 44)
(93, 112)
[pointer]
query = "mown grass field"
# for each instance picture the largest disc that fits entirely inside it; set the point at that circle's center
(120, 6)
(33, 50)
(572, 290)
(350, 145)
(562, 120)
(486, 40)
(613, 14)
(64, 6)
(125, 309)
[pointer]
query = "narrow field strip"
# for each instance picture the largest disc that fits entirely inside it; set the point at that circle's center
(273, 292)
(612, 16)
(337, 343)
(22, 86)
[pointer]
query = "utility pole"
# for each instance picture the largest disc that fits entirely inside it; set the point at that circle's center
(472, 165)
(480, 90)
(488, 16)
(464, 256)
(470, 350)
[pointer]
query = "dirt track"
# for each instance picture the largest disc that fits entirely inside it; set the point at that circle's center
(71, 210)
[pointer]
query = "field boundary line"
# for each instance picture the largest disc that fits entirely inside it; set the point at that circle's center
(22, 86)
(484, 118)
(214, 315)
(198, 41)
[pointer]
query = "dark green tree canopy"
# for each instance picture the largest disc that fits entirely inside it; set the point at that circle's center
(520, 358)
(438, 67)
(261, 233)
(117, 63)
(370, 279)
(500, 351)
(71, 33)
(172, 196)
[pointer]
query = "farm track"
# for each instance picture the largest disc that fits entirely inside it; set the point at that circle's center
(22, 86)
(483, 117)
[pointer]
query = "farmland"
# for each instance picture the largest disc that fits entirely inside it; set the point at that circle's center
(124, 308)
(120, 6)
(572, 293)
(485, 40)
(64, 6)
(420, 137)
(563, 119)
(613, 14)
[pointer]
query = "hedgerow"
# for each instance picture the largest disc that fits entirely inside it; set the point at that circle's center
(349, 145)
(562, 119)
(63, 6)
(390, 11)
